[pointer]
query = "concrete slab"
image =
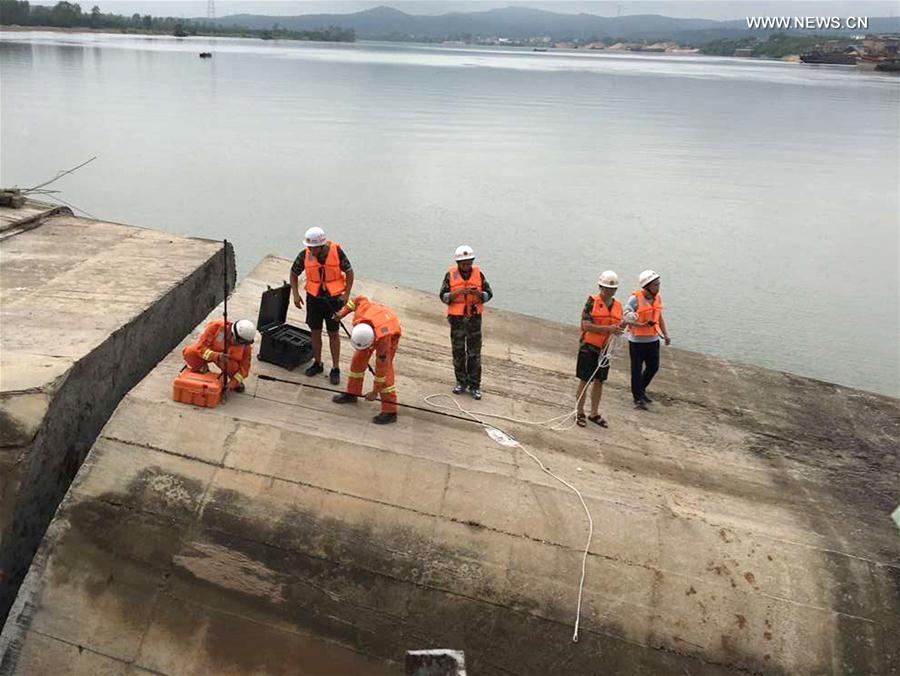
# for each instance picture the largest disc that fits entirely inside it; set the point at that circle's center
(742, 525)
(87, 308)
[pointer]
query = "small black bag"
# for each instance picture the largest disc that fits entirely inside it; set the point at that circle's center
(282, 344)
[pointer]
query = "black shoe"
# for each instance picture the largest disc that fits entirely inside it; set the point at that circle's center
(475, 392)
(647, 400)
(240, 388)
(641, 405)
(344, 398)
(334, 376)
(459, 389)
(385, 418)
(315, 368)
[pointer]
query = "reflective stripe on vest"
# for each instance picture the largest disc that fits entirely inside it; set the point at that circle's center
(334, 278)
(646, 312)
(383, 321)
(602, 316)
(464, 305)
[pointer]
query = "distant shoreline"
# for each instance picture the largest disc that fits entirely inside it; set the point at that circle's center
(75, 29)
(87, 30)
(132, 31)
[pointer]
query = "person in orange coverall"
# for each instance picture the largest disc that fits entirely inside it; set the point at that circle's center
(210, 348)
(375, 329)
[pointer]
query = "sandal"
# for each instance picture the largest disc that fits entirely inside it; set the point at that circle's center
(598, 419)
(580, 421)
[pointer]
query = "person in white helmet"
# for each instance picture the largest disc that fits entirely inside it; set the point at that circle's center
(465, 291)
(210, 349)
(643, 315)
(329, 280)
(375, 329)
(601, 319)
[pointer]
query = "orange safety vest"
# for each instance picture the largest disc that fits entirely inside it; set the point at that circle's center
(602, 316)
(382, 319)
(645, 312)
(462, 305)
(329, 272)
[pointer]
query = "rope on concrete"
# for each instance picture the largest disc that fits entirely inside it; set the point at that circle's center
(274, 379)
(554, 424)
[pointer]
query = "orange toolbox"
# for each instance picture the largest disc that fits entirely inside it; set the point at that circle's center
(199, 389)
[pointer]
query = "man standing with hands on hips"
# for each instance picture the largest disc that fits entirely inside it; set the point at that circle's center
(329, 279)
(643, 315)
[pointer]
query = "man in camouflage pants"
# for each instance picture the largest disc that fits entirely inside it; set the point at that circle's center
(465, 291)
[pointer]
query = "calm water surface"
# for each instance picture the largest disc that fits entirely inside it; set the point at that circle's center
(765, 193)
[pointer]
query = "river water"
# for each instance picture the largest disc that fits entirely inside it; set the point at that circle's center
(765, 193)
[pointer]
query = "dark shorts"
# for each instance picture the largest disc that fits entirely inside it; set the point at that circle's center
(320, 309)
(587, 362)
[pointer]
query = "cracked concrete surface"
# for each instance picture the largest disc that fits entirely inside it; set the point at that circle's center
(741, 526)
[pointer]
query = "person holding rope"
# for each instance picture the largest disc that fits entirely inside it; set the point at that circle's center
(600, 319)
(329, 279)
(643, 314)
(375, 329)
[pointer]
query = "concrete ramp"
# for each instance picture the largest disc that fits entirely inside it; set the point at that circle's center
(741, 526)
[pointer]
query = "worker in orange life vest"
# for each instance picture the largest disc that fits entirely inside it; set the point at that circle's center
(210, 349)
(329, 279)
(465, 291)
(643, 314)
(600, 320)
(375, 329)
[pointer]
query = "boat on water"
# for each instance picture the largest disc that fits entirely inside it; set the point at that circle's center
(830, 58)
(889, 66)
(867, 62)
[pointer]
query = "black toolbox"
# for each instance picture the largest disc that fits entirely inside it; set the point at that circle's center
(282, 344)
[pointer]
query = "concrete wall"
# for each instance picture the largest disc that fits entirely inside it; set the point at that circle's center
(77, 335)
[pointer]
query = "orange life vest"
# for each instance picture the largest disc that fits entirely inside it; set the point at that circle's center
(382, 319)
(646, 312)
(602, 316)
(329, 272)
(464, 305)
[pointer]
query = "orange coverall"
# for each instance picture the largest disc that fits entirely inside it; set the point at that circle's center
(387, 338)
(208, 350)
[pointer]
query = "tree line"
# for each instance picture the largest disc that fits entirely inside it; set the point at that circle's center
(70, 15)
(777, 45)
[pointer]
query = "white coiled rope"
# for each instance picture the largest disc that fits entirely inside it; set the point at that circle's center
(555, 424)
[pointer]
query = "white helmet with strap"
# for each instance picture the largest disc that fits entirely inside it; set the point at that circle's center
(362, 336)
(243, 331)
(609, 280)
(464, 253)
(647, 277)
(315, 237)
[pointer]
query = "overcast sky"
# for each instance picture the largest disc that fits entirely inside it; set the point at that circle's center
(711, 9)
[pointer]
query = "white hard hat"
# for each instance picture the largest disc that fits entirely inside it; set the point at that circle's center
(609, 279)
(362, 336)
(315, 237)
(464, 253)
(646, 277)
(243, 331)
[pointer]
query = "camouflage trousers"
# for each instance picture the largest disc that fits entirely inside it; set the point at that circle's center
(465, 338)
